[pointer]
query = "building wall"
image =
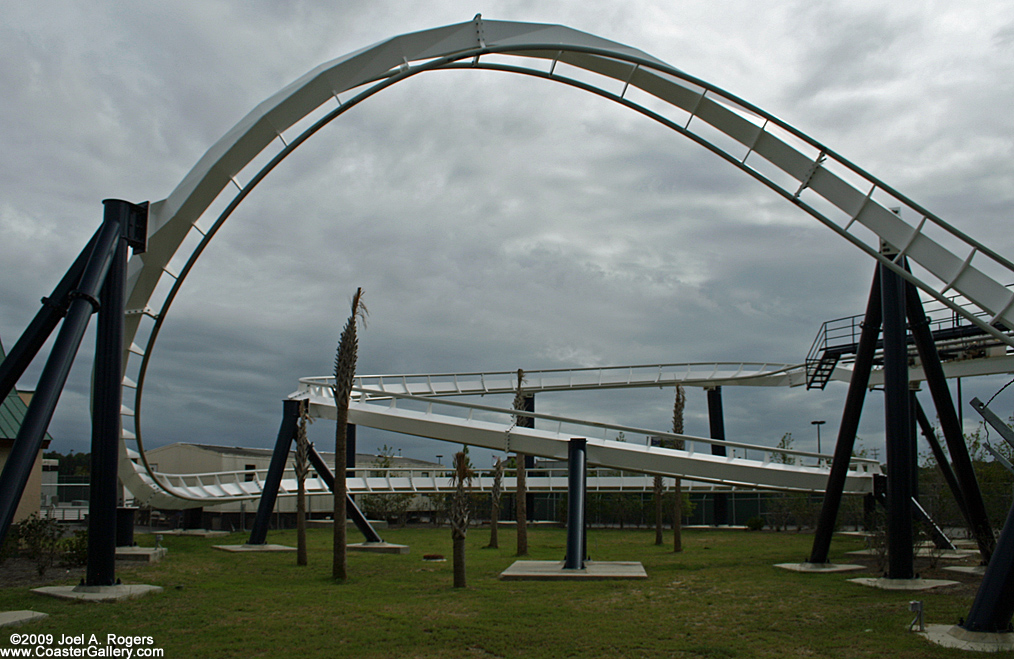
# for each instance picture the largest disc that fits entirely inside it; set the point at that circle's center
(32, 496)
(185, 459)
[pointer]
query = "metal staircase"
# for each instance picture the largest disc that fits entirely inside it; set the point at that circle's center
(956, 338)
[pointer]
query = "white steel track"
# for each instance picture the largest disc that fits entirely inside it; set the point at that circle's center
(220, 487)
(701, 374)
(494, 428)
(851, 202)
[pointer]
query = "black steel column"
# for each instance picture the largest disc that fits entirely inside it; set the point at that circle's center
(900, 555)
(941, 460)
(993, 606)
(716, 422)
(34, 337)
(913, 434)
(576, 480)
(849, 424)
(279, 458)
(936, 380)
(107, 399)
(350, 451)
(353, 512)
(529, 422)
(54, 375)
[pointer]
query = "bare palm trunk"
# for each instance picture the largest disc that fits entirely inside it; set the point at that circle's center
(459, 516)
(522, 481)
(522, 506)
(494, 516)
(677, 428)
(302, 468)
(659, 492)
(345, 370)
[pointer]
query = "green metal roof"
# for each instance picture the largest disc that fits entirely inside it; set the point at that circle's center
(12, 411)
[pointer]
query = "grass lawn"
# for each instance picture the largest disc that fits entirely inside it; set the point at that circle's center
(721, 597)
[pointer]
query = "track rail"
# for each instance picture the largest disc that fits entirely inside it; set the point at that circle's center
(860, 208)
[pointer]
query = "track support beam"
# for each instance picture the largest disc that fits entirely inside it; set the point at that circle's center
(897, 419)
(973, 504)
(849, 424)
(577, 463)
(351, 509)
(279, 458)
(993, 606)
(716, 425)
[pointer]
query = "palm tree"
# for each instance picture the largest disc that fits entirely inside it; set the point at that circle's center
(494, 516)
(462, 480)
(302, 469)
(522, 484)
(344, 374)
(677, 429)
(659, 493)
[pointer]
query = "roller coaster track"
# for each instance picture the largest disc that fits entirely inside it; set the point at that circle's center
(860, 208)
(385, 402)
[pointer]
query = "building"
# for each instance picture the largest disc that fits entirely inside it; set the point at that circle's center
(12, 414)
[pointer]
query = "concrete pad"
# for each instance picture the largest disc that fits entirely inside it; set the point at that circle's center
(903, 584)
(15, 618)
(379, 548)
(952, 636)
(820, 567)
(978, 570)
(554, 571)
(198, 533)
(141, 554)
(98, 593)
(253, 548)
(327, 524)
(950, 554)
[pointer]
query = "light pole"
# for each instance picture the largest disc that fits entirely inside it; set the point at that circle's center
(818, 424)
(439, 458)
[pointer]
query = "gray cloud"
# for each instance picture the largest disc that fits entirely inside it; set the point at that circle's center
(495, 222)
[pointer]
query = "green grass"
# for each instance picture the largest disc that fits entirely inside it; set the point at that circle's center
(721, 598)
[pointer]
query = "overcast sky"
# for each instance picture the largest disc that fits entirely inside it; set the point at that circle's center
(495, 222)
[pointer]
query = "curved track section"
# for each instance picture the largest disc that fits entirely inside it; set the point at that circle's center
(221, 487)
(494, 428)
(840, 195)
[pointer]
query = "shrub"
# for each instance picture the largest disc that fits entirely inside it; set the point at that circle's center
(75, 549)
(755, 523)
(9, 549)
(40, 538)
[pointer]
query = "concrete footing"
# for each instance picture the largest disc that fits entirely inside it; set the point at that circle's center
(254, 548)
(947, 554)
(952, 636)
(903, 584)
(554, 571)
(379, 548)
(98, 593)
(141, 554)
(197, 533)
(15, 618)
(978, 570)
(819, 568)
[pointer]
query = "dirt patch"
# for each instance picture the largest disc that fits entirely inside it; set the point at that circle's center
(22, 573)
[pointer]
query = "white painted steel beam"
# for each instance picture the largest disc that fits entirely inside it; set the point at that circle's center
(701, 374)
(208, 489)
(806, 173)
